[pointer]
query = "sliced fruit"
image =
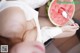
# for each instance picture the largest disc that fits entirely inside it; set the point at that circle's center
(55, 12)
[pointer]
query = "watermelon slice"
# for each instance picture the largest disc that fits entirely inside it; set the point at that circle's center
(55, 12)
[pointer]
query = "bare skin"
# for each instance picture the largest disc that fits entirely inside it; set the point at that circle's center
(28, 47)
(13, 24)
(16, 27)
(68, 30)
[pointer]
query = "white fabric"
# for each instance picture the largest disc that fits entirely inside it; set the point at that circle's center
(35, 3)
(30, 13)
(49, 32)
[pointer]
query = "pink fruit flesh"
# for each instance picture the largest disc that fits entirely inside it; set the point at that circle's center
(56, 16)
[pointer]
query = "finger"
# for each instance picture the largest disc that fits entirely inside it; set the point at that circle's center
(74, 29)
(75, 24)
(70, 28)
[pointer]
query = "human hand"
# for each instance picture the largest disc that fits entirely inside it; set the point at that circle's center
(68, 31)
(71, 27)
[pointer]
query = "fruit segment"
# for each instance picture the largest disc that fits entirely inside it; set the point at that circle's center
(55, 12)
